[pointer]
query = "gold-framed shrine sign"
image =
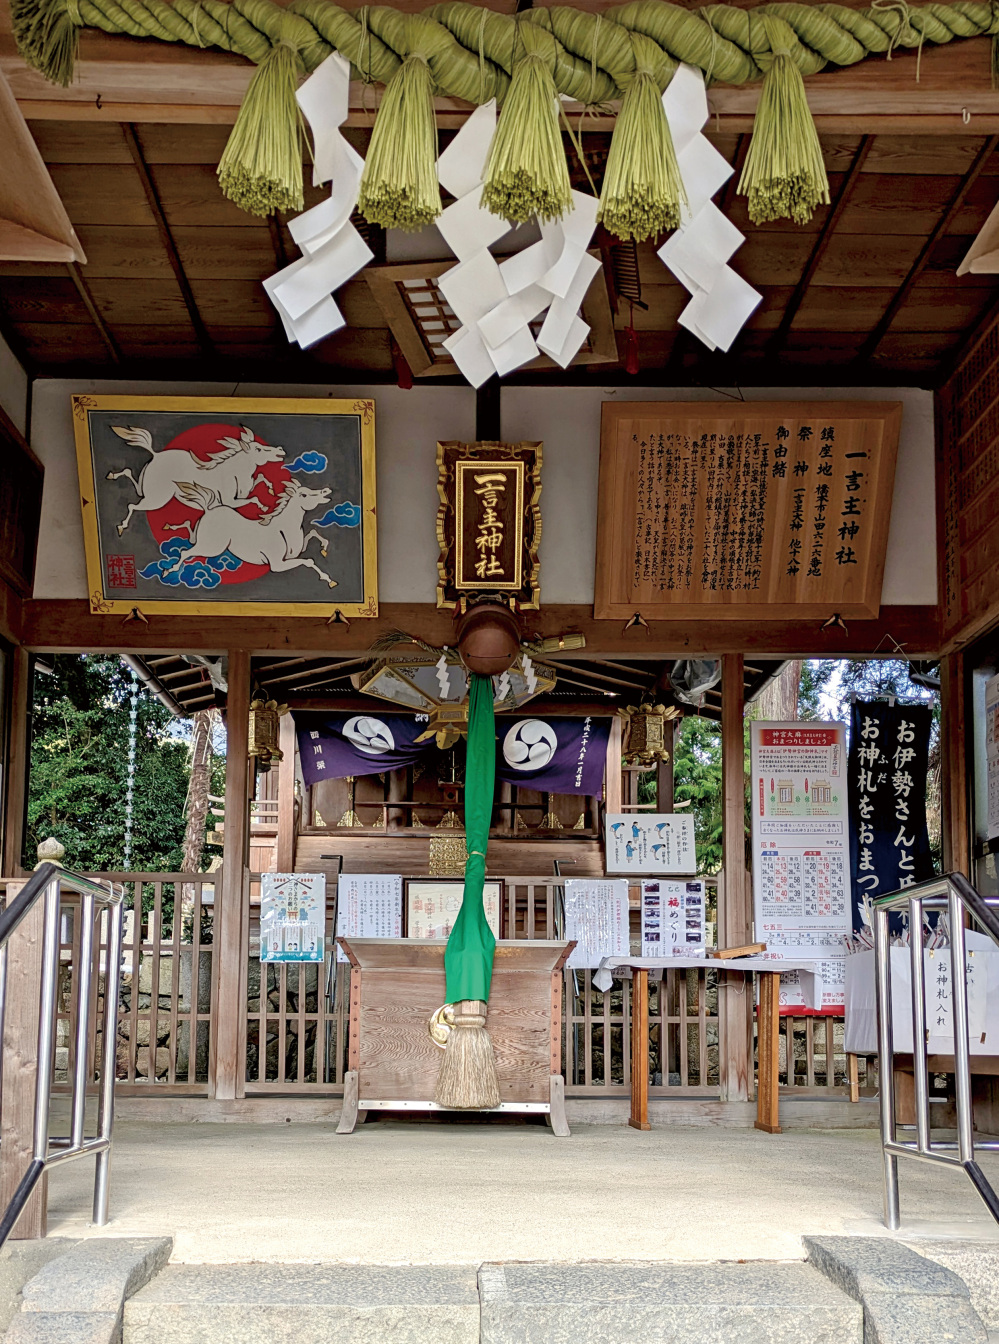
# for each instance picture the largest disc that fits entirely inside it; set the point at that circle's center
(489, 521)
(769, 509)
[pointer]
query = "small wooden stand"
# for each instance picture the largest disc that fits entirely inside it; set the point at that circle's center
(396, 984)
(768, 1094)
(768, 1053)
(639, 1118)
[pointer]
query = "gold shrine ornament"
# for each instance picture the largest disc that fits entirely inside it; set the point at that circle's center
(263, 738)
(645, 733)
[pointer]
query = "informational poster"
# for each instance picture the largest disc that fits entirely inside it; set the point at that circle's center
(368, 905)
(887, 767)
(596, 915)
(292, 916)
(833, 973)
(992, 754)
(673, 919)
(650, 843)
(432, 907)
(801, 859)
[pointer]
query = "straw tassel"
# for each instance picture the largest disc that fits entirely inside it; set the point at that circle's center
(261, 167)
(467, 1077)
(48, 37)
(399, 187)
(784, 176)
(526, 173)
(642, 188)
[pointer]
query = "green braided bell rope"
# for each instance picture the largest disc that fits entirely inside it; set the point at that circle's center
(460, 50)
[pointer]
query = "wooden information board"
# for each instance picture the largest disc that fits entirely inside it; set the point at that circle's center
(779, 507)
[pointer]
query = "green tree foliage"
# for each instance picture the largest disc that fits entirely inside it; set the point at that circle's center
(79, 769)
(697, 776)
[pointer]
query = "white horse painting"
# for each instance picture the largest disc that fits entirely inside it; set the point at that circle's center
(277, 540)
(229, 474)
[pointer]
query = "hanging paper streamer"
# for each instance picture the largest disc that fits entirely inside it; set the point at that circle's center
(496, 302)
(332, 248)
(699, 251)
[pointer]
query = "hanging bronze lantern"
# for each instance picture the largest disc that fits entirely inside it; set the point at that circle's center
(645, 733)
(263, 746)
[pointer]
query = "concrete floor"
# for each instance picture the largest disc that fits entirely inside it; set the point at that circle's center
(416, 1192)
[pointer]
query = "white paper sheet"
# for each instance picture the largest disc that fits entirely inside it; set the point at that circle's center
(460, 167)
(721, 312)
(596, 916)
(368, 905)
(473, 287)
(503, 321)
(327, 269)
(564, 354)
(471, 354)
(467, 228)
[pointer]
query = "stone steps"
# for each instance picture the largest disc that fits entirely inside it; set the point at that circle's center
(759, 1303)
(850, 1290)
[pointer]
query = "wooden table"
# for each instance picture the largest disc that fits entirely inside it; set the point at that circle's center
(767, 1092)
(396, 984)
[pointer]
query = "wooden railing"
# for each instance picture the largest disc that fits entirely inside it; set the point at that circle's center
(164, 1021)
(297, 1014)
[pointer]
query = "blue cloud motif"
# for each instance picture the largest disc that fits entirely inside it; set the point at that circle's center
(225, 561)
(341, 515)
(173, 546)
(308, 462)
(193, 573)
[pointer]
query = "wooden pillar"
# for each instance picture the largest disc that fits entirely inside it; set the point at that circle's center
(17, 762)
(286, 796)
(955, 780)
(735, 996)
(227, 1076)
(20, 1067)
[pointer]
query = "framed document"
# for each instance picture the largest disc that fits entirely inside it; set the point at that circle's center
(432, 906)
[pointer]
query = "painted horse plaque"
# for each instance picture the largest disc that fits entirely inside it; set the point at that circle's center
(228, 506)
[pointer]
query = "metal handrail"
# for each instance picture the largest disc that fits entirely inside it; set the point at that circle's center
(48, 883)
(954, 892)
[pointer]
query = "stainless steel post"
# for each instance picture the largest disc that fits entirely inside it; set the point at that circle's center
(962, 1040)
(109, 1059)
(82, 996)
(919, 1068)
(47, 1019)
(886, 1051)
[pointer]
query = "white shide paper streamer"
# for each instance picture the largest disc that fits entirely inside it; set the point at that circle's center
(497, 301)
(699, 250)
(332, 248)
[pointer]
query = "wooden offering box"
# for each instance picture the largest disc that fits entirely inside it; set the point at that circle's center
(397, 984)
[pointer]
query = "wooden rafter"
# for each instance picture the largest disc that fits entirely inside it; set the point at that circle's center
(166, 236)
(83, 289)
(821, 245)
(875, 338)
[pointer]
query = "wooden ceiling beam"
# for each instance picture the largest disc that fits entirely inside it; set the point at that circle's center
(83, 290)
(68, 626)
(821, 244)
(872, 341)
(166, 237)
